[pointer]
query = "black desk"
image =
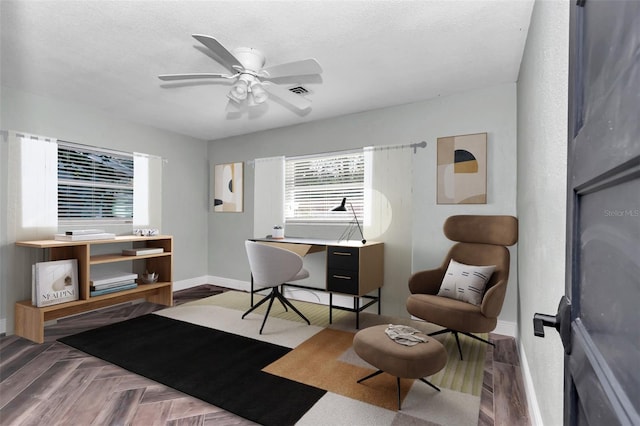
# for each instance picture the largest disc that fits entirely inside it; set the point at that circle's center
(353, 269)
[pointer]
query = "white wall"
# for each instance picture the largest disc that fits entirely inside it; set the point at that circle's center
(542, 169)
(491, 110)
(185, 177)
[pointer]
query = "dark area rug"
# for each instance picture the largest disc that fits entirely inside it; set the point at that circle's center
(220, 368)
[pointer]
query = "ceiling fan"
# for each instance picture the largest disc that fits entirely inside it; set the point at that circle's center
(252, 81)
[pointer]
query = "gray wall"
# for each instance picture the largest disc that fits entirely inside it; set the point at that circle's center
(542, 170)
(491, 110)
(185, 177)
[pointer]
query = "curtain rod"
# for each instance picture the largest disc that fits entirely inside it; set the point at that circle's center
(5, 135)
(414, 146)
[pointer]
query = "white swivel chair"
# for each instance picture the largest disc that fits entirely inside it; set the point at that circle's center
(271, 267)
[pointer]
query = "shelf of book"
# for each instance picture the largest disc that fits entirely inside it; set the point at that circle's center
(30, 319)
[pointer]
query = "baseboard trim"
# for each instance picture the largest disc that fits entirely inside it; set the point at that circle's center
(532, 401)
(229, 283)
(507, 328)
(191, 282)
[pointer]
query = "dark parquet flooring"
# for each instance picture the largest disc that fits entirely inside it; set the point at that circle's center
(53, 384)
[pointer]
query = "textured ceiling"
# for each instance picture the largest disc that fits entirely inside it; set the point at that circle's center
(108, 54)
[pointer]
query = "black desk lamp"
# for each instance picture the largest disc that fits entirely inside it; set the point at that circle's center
(347, 232)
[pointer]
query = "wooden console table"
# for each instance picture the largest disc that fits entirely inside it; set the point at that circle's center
(29, 319)
(353, 269)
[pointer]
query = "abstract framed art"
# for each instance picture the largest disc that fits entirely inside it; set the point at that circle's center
(462, 169)
(228, 187)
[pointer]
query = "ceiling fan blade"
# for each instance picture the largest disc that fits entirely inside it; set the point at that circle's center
(285, 95)
(224, 56)
(303, 67)
(169, 77)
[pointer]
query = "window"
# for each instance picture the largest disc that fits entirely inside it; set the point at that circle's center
(94, 185)
(316, 184)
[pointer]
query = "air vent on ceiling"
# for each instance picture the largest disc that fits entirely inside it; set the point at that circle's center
(300, 90)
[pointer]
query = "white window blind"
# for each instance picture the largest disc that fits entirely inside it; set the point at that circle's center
(314, 185)
(94, 185)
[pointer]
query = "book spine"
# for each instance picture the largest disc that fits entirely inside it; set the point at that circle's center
(111, 285)
(140, 252)
(113, 289)
(88, 237)
(113, 279)
(85, 231)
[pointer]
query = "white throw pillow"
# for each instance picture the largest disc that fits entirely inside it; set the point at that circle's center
(465, 282)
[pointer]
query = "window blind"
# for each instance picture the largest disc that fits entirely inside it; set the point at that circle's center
(314, 185)
(94, 185)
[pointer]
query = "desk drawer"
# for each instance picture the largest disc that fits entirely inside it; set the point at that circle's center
(342, 258)
(342, 281)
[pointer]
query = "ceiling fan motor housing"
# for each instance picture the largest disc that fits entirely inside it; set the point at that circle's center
(252, 59)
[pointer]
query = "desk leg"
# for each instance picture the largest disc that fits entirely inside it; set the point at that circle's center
(379, 298)
(356, 307)
(330, 306)
(252, 290)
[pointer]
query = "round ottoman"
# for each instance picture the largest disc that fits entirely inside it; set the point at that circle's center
(411, 362)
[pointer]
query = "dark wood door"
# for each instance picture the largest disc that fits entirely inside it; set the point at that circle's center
(602, 378)
(599, 316)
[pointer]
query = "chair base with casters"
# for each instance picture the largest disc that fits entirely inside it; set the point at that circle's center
(455, 333)
(275, 294)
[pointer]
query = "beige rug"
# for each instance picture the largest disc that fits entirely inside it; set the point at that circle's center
(316, 313)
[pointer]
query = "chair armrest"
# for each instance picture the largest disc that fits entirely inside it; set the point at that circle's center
(426, 282)
(493, 299)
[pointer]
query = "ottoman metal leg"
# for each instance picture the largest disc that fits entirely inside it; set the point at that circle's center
(398, 384)
(370, 376)
(429, 383)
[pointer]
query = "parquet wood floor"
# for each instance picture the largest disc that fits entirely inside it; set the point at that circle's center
(52, 383)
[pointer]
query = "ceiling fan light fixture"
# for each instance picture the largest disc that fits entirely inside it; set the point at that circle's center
(239, 91)
(259, 94)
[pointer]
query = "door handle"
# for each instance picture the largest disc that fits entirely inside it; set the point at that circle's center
(540, 321)
(561, 322)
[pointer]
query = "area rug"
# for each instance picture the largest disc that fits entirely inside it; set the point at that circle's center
(326, 363)
(458, 375)
(325, 359)
(220, 368)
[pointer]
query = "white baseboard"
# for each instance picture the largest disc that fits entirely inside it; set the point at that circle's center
(191, 282)
(507, 328)
(532, 401)
(229, 283)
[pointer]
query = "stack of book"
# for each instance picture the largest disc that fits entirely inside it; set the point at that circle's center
(84, 235)
(111, 282)
(140, 251)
